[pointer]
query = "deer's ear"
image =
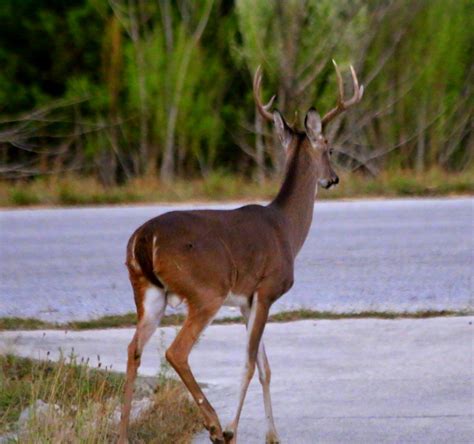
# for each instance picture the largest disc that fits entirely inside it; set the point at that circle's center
(313, 125)
(282, 129)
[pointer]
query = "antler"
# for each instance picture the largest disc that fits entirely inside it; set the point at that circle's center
(263, 109)
(343, 105)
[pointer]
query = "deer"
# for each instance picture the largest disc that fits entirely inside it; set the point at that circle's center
(242, 257)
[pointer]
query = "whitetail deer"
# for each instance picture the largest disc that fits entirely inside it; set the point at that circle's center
(243, 257)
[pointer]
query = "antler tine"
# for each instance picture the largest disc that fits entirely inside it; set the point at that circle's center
(358, 90)
(343, 105)
(340, 85)
(262, 109)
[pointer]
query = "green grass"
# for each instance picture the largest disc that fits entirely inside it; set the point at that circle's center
(14, 323)
(24, 197)
(310, 314)
(129, 319)
(73, 191)
(86, 399)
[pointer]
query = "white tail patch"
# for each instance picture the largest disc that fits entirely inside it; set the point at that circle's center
(154, 304)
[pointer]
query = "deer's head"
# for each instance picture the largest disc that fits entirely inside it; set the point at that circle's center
(312, 139)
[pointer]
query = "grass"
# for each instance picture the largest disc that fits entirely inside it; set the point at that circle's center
(69, 384)
(14, 323)
(310, 314)
(174, 418)
(82, 402)
(221, 187)
(129, 319)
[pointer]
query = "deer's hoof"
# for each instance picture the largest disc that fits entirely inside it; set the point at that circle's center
(228, 434)
(272, 438)
(215, 434)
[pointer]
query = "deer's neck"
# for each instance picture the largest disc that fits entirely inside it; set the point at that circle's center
(296, 196)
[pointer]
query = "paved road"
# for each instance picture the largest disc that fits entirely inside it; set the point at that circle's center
(63, 264)
(347, 381)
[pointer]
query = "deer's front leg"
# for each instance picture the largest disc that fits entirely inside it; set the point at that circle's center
(178, 353)
(264, 374)
(257, 319)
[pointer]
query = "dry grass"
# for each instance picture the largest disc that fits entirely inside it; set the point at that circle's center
(86, 191)
(175, 418)
(82, 402)
(221, 187)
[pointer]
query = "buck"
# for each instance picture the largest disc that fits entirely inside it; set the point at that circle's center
(243, 257)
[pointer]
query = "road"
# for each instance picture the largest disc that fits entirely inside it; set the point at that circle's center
(401, 255)
(346, 381)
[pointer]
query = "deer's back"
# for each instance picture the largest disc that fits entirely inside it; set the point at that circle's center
(212, 250)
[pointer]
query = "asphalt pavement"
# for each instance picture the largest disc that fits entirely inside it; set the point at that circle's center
(398, 255)
(345, 381)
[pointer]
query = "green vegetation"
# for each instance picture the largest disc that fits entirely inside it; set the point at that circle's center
(151, 101)
(129, 319)
(310, 314)
(81, 402)
(23, 324)
(77, 191)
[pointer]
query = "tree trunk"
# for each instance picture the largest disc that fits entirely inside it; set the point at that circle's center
(167, 170)
(421, 139)
(140, 64)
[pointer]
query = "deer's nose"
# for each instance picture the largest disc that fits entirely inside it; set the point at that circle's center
(328, 183)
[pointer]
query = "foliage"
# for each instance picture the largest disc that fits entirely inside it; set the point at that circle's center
(122, 89)
(432, 88)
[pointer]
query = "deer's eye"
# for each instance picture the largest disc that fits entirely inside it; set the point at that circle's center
(331, 151)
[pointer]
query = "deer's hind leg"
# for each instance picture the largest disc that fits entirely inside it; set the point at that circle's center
(151, 303)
